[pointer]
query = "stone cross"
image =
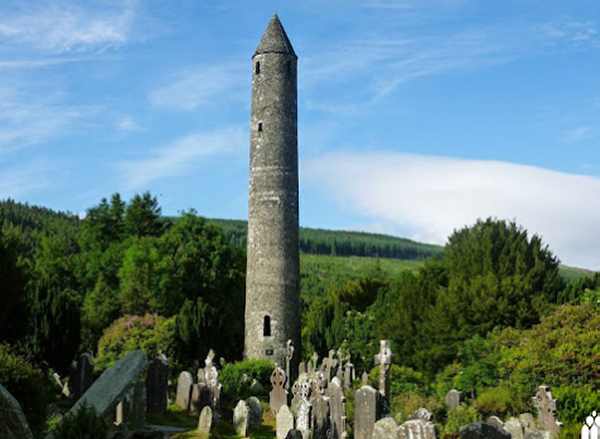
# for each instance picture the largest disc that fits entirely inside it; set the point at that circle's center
(278, 394)
(546, 408)
(289, 355)
(384, 360)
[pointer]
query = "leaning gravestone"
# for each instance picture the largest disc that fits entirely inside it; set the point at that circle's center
(255, 413)
(337, 405)
(278, 394)
(241, 415)
(366, 412)
(184, 390)
(481, 430)
(284, 422)
(157, 381)
(205, 420)
(81, 376)
(13, 424)
(385, 428)
(452, 399)
(546, 408)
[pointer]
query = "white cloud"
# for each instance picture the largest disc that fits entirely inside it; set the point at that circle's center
(27, 119)
(577, 32)
(201, 86)
(428, 197)
(179, 157)
(127, 123)
(62, 27)
(577, 134)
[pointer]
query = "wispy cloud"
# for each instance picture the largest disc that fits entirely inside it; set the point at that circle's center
(427, 197)
(60, 27)
(27, 119)
(577, 134)
(570, 31)
(200, 86)
(22, 180)
(181, 156)
(127, 123)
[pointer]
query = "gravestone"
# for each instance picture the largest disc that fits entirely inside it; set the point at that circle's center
(495, 421)
(289, 355)
(385, 428)
(348, 375)
(304, 419)
(527, 421)
(384, 360)
(278, 394)
(81, 376)
(416, 429)
(241, 414)
(284, 422)
(546, 411)
(157, 382)
(201, 397)
(452, 399)
(183, 396)
(255, 413)
(482, 430)
(366, 412)
(13, 424)
(205, 420)
(364, 379)
(123, 381)
(515, 428)
(337, 407)
(302, 368)
(321, 421)
(423, 414)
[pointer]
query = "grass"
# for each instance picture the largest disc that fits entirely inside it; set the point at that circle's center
(175, 417)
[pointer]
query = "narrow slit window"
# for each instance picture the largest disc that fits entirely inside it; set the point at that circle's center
(257, 68)
(260, 127)
(267, 326)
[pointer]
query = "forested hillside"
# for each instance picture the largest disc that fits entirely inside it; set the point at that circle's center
(342, 243)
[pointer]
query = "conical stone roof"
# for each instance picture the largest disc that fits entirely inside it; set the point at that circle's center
(275, 40)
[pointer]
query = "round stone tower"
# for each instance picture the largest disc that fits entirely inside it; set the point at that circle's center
(272, 277)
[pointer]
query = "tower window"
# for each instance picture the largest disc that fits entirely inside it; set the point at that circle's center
(257, 67)
(260, 127)
(267, 326)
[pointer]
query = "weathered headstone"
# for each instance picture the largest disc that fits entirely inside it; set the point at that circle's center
(157, 382)
(241, 415)
(515, 428)
(321, 421)
(81, 376)
(482, 430)
(284, 422)
(337, 405)
(423, 414)
(114, 384)
(452, 399)
(546, 411)
(366, 412)
(278, 394)
(304, 419)
(348, 375)
(255, 412)
(205, 420)
(528, 421)
(416, 429)
(13, 424)
(289, 355)
(184, 390)
(384, 360)
(385, 428)
(364, 379)
(137, 410)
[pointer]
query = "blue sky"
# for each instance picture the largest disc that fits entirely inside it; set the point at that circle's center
(415, 116)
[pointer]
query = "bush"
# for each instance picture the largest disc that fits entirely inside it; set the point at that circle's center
(237, 379)
(459, 417)
(402, 380)
(405, 404)
(151, 333)
(84, 424)
(27, 384)
(575, 404)
(495, 401)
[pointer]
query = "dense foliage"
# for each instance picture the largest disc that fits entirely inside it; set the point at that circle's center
(84, 423)
(246, 378)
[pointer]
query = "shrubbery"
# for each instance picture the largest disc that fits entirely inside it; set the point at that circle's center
(83, 424)
(238, 378)
(151, 333)
(27, 384)
(459, 417)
